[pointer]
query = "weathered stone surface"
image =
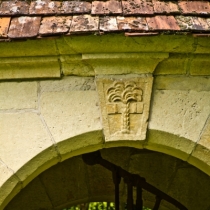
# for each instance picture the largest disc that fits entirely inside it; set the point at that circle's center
(23, 27)
(9, 184)
(107, 7)
(35, 150)
(29, 67)
(136, 7)
(75, 7)
(175, 64)
(18, 95)
(34, 192)
(201, 154)
(125, 106)
(200, 65)
(46, 7)
(182, 83)
(182, 113)
(13, 8)
(132, 23)
(84, 23)
(4, 26)
(73, 65)
(55, 25)
(108, 24)
(170, 144)
(68, 84)
(123, 63)
(70, 121)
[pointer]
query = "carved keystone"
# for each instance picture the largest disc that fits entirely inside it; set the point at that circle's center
(125, 104)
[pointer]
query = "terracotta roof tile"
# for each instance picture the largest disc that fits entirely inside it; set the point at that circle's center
(4, 26)
(168, 7)
(193, 23)
(45, 7)
(185, 23)
(195, 7)
(147, 17)
(200, 24)
(55, 25)
(108, 24)
(162, 23)
(108, 7)
(132, 23)
(84, 23)
(14, 8)
(75, 7)
(137, 7)
(24, 27)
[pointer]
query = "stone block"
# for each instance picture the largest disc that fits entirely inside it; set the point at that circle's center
(175, 64)
(169, 144)
(124, 63)
(201, 154)
(125, 102)
(9, 185)
(181, 113)
(73, 65)
(187, 83)
(26, 146)
(200, 65)
(70, 113)
(18, 95)
(33, 67)
(68, 84)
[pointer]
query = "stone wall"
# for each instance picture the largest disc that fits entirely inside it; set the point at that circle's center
(44, 122)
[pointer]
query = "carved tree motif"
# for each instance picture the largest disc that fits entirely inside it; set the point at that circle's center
(125, 93)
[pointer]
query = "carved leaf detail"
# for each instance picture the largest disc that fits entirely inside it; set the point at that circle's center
(124, 92)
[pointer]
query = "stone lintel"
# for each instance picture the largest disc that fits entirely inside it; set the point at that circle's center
(124, 63)
(29, 67)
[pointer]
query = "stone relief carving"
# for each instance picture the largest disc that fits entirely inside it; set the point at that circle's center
(124, 98)
(125, 106)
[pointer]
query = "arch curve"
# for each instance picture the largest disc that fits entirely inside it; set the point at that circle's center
(91, 141)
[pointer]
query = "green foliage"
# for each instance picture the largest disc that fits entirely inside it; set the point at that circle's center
(97, 206)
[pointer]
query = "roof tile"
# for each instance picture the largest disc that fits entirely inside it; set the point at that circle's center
(45, 7)
(137, 7)
(24, 27)
(84, 23)
(4, 26)
(75, 7)
(14, 8)
(108, 24)
(55, 25)
(162, 23)
(108, 7)
(168, 7)
(185, 23)
(195, 7)
(132, 23)
(200, 24)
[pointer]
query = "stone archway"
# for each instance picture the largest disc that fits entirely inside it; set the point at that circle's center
(46, 122)
(72, 182)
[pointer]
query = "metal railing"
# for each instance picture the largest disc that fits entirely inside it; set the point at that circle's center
(132, 180)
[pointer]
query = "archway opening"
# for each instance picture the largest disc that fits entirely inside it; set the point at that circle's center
(72, 182)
